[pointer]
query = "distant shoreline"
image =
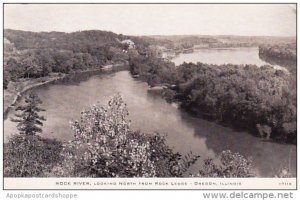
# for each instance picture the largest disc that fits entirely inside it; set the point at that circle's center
(18, 96)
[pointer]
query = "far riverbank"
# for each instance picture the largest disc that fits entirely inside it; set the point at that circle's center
(13, 94)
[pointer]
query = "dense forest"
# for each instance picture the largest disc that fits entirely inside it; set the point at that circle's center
(282, 51)
(32, 55)
(248, 96)
(280, 54)
(244, 96)
(260, 99)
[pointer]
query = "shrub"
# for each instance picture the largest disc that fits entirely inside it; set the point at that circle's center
(5, 79)
(284, 173)
(30, 156)
(169, 95)
(105, 146)
(231, 165)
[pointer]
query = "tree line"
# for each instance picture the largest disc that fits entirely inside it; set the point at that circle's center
(281, 51)
(281, 54)
(259, 99)
(247, 95)
(244, 96)
(38, 54)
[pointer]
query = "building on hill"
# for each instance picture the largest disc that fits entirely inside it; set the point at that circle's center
(130, 43)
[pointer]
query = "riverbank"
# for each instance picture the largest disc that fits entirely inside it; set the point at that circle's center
(15, 90)
(64, 100)
(236, 95)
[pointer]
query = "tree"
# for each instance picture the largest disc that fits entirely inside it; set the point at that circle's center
(29, 120)
(14, 69)
(31, 67)
(45, 60)
(31, 156)
(104, 145)
(231, 165)
(5, 79)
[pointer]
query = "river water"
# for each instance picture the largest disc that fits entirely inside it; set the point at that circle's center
(219, 56)
(65, 99)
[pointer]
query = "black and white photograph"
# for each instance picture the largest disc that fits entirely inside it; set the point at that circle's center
(149, 96)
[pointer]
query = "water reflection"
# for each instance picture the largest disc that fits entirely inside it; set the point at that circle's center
(221, 56)
(270, 156)
(149, 113)
(291, 65)
(238, 56)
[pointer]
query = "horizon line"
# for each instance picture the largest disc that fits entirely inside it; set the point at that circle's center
(152, 35)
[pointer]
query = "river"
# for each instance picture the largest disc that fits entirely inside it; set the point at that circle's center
(219, 56)
(65, 99)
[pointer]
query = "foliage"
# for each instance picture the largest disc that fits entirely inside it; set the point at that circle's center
(30, 156)
(282, 51)
(14, 69)
(169, 95)
(78, 41)
(105, 146)
(29, 121)
(284, 173)
(147, 63)
(281, 54)
(243, 96)
(232, 165)
(42, 53)
(5, 80)
(179, 42)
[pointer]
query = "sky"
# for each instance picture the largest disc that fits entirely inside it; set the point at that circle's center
(156, 19)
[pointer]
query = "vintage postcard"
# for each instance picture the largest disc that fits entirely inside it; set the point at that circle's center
(149, 96)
